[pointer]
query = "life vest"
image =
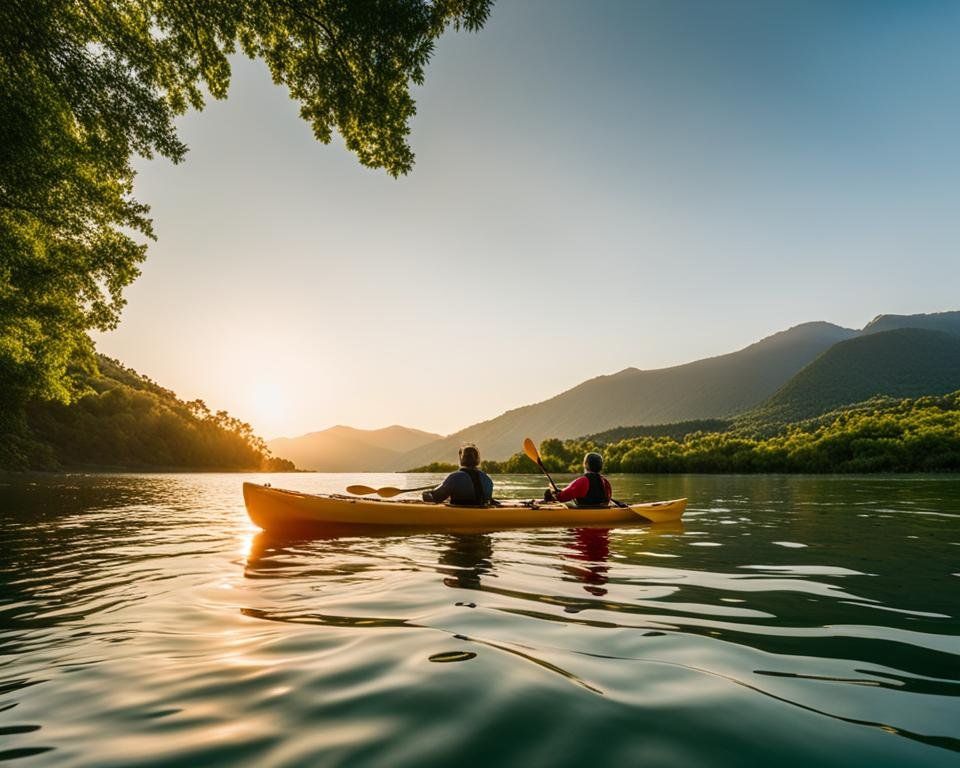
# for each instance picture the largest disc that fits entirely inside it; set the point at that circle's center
(597, 495)
(478, 498)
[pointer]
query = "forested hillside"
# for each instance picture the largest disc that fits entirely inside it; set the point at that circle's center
(880, 435)
(127, 421)
(908, 362)
(677, 430)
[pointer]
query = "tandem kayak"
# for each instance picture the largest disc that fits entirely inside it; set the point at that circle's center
(281, 511)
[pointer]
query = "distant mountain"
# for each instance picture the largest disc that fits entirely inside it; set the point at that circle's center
(908, 362)
(345, 449)
(712, 388)
(949, 322)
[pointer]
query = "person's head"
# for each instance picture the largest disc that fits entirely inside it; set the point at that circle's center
(592, 462)
(469, 456)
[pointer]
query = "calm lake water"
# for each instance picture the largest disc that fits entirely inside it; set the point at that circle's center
(788, 621)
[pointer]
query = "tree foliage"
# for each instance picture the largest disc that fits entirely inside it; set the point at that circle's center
(880, 435)
(87, 84)
(127, 421)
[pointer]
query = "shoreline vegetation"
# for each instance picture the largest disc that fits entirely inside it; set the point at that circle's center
(882, 434)
(124, 421)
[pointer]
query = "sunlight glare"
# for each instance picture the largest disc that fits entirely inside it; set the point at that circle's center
(268, 402)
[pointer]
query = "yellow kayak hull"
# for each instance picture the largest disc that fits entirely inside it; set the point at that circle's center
(282, 511)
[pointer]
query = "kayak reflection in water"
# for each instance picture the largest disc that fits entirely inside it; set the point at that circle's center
(468, 486)
(591, 545)
(468, 557)
(591, 489)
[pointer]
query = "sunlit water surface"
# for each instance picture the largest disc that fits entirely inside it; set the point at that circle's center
(788, 621)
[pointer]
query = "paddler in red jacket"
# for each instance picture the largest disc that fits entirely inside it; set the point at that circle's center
(590, 489)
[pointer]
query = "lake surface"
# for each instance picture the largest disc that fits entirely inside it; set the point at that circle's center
(787, 621)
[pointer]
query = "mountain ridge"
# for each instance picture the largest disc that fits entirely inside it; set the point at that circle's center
(897, 363)
(721, 387)
(714, 387)
(347, 449)
(948, 322)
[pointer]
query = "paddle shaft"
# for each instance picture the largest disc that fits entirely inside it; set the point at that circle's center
(387, 491)
(544, 470)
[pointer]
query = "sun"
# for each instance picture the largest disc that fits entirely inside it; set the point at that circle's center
(269, 403)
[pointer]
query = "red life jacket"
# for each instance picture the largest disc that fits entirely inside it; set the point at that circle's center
(597, 495)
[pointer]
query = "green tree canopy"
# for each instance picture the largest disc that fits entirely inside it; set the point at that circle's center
(87, 84)
(882, 434)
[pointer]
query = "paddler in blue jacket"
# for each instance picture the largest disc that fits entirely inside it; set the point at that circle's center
(468, 486)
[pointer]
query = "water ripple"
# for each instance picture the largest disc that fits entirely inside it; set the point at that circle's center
(142, 621)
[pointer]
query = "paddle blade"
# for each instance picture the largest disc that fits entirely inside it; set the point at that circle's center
(360, 490)
(530, 448)
(533, 454)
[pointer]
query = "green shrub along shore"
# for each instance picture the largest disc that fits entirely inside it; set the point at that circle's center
(126, 421)
(879, 435)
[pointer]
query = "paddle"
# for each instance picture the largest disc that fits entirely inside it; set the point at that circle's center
(386, 492)
(533, 454)
(530, 448)
(360, 490)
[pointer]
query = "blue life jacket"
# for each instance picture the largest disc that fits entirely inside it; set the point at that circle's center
(478, 498)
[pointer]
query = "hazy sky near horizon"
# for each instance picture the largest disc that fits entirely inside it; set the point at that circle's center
(598, 185)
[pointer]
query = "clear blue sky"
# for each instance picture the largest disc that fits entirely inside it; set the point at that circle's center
(598, 185)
